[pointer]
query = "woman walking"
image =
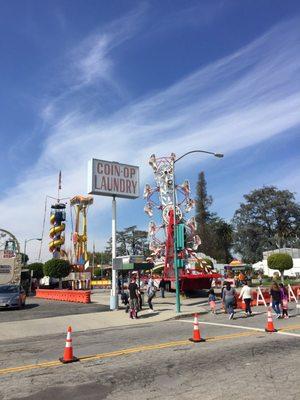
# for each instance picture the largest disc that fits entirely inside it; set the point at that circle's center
(229, 294)
(276, 298)
(246, 295)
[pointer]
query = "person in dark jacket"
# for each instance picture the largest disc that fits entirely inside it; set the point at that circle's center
(162, 286)
(276, 298)
(229, 299)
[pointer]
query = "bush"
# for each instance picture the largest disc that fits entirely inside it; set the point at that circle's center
(57, 268)
(97, 272)
(281, 262)
(38, 270)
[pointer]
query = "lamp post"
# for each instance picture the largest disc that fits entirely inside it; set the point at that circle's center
(24, 262)
(218, 155)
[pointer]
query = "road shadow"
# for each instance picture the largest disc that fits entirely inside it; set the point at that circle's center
(30, 306)
(26, 307)
(149, 315)
(197, 303)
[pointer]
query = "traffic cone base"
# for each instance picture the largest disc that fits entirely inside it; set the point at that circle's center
(196, 340)
(74, 359)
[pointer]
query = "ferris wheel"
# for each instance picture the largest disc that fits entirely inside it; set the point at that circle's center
(160, 198)
(9, 245)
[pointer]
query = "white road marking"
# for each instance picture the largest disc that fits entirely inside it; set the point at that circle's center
(226, 325)
(241, 327)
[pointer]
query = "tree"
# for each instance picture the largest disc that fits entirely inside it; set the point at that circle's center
(100, 258)
(203, 216)
(221, 236)
(215, 233)
(38, 270)
(130, 241)
(57, 268)
(281, 262)
(269, 219)
(209, 262)
(24, 258)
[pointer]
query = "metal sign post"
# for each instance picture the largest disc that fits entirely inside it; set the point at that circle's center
(113, 293)
(110, 178)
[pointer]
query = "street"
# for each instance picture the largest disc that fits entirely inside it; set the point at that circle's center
(39, 308)
(156, 360)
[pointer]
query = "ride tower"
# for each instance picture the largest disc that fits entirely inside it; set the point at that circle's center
(57, 225)
(57, 229)
(79, 237)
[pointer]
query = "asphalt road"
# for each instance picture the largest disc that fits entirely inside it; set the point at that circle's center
(232, 363)
(41, 308)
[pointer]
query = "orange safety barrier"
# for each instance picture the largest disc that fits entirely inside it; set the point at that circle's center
(296, 290)
(240, 304)
(76, 296)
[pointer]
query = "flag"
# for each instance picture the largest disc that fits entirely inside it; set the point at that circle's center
(87, 264)
(59, 181)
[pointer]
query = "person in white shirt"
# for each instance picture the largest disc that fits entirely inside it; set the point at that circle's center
(246, 295)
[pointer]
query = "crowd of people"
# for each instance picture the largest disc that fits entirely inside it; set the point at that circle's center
(278, 294)
(132, 297)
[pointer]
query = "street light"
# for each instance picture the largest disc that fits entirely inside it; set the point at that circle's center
(25, 244)
(24, 259)
(218, 155)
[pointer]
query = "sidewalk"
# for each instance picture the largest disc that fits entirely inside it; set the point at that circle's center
(164, 309)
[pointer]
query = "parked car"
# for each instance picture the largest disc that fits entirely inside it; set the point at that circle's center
(12, 296)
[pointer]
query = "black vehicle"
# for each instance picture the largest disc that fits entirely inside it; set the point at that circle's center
(12, 296)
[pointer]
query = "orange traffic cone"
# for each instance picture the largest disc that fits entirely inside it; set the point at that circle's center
(68, 352)
(196, 332)
(270, 326)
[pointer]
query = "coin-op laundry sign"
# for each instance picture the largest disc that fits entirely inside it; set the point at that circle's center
(109, 178)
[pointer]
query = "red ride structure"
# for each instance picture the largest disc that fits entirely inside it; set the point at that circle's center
(194, 273)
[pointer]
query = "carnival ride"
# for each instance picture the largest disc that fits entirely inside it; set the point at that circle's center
(79, 237)
(194, 273)
(58, 226)
(10, 258)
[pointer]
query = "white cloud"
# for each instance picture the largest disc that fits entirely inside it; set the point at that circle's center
(233, 103)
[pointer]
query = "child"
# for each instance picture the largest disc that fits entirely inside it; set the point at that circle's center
(125, 298)
(212, 301)
(284, 301)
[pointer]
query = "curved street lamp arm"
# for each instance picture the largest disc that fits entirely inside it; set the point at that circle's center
(219, 155)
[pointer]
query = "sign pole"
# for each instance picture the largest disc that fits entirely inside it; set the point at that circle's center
(113, 295)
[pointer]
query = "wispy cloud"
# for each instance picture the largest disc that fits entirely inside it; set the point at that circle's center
(226, 106)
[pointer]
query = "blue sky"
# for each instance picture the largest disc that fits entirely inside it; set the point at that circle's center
(120, 80)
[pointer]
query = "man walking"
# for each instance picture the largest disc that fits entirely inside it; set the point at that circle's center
(162, 286)
(133, 298)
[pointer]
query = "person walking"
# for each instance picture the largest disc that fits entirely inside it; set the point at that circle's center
(212, 301)
(133, 298)
(284, 300)
(222, 291)
(150, 293)
(229, 294)
(246, 295)
(276, 298)
(162, 286)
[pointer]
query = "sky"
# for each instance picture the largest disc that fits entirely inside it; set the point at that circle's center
(120, 80)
